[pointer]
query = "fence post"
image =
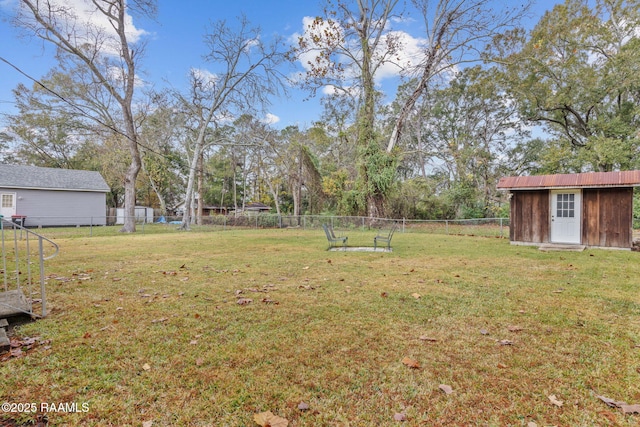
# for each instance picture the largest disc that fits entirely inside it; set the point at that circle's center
(446, 224)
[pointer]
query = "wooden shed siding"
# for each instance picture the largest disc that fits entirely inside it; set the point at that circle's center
(530, 216)
(607, 217)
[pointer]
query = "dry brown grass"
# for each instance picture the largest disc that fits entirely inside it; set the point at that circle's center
(335, 333)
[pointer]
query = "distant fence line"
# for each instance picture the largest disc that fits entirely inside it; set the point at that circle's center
(94, 226)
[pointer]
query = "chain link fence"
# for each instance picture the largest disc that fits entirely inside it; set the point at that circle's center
(92, 227)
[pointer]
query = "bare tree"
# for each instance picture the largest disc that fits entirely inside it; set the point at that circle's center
(105, 45)
(457, 32)
(249, 76)
(344, 50)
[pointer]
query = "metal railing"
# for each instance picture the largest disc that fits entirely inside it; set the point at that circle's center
(21, 250)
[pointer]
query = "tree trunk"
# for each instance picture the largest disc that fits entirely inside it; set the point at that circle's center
(131, 175)
(130, 197)
(200, 188)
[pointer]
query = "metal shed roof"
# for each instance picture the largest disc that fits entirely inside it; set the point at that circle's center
(33, 177)
(572, 180)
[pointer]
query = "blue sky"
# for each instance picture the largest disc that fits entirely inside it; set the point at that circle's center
(175, 45)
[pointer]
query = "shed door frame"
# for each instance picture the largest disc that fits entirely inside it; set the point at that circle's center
(566, 216)
(8, 203)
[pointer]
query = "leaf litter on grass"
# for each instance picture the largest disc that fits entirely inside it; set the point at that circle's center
(341, 344)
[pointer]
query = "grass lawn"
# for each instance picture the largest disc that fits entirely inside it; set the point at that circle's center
(147, 330)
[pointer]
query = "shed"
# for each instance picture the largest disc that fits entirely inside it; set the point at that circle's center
(143, 214)
(53, 197)
(593, 209)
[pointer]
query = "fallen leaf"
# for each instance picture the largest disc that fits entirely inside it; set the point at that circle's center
(427, 338)
(630, 409)
(161, 320)
(303, 406)
(193, 342)
(484, 332)
(502, 366)
(384, 294)
(411, 363)
(269, 301)
(147, 423)
(244, 301)
(553, 399)
(610, 402)
(505, 342)
(446, 389)
(199, 361)
(146, 367)
(416, 295)
(267, 419)
(514, 328)
(532, 424)
(400, 416)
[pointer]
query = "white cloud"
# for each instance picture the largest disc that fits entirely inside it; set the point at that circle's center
(204, 76)
(251, 43)
(87, 25)
(270, 119)
(408, 55)
(343, 90)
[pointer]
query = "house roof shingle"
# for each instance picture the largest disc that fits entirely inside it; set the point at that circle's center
(33, 177)
(573, 180)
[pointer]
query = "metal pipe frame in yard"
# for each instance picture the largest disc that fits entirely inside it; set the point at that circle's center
(27, 260)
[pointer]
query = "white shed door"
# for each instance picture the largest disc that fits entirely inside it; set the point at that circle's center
(7, 205)
(565, 216)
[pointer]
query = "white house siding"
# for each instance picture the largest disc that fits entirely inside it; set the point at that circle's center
(60, 207)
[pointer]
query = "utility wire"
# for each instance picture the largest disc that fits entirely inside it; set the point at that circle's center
(66, 101)
(89, 116)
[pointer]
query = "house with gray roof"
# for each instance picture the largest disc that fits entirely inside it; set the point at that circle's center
(44, 197)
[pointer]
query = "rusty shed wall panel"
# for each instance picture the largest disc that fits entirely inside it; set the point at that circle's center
(607, 217)
(530, 216)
